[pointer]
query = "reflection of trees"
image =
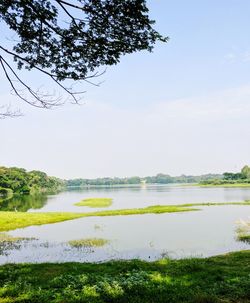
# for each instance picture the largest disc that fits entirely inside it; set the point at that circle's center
(23, 202)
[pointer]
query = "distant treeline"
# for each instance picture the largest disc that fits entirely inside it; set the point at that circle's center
(231, 178)
(158, 179)
(18, 180)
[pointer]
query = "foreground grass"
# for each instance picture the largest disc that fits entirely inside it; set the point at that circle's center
(14, 220)
(91, 242)
(212, 280)
(95, 202)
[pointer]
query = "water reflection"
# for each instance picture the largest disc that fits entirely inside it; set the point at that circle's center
(23, 203)
(124, 197)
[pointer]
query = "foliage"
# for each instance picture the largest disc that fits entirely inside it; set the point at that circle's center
(245, 172)
(69, 40)
(20, 181)
(212, 280)
(95, 202)
(5, 192)
(241, 178)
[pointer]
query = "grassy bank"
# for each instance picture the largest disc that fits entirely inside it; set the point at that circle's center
(14, 220)
(224, 185)
(95, 202)
(212, 280)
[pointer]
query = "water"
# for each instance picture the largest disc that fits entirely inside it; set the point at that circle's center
(203, 233)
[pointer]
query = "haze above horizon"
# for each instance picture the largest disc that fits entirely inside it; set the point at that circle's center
(183, 109)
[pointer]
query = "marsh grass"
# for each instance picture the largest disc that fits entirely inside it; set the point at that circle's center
(14, 220)
(211, 280)
(89, 242)
(95, 202)
(243, 231)
(5, 238)
(8, 242)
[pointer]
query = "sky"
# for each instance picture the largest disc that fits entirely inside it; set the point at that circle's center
(183, 109)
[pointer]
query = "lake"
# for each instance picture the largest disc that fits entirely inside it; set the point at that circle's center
(210, 231)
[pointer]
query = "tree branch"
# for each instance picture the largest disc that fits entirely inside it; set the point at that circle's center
(39, 101)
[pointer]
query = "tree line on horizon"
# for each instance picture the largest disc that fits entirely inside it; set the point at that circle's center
(158, 179)
(231, 178)
(19, 181)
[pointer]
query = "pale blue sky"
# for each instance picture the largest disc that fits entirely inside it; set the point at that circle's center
(184, 108)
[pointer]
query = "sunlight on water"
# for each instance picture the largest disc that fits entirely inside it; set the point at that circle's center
(207, 232)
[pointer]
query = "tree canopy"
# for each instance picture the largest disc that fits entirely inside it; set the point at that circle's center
(18, 180)
(70, 40)
(231, 178)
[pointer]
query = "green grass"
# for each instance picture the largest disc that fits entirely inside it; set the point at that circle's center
(220, 279)
(14, 220)
(95, 202)
(90, 242)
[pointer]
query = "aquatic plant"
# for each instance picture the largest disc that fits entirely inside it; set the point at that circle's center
(243, 231)
(8, 242)
(89, 242)
(5, 238)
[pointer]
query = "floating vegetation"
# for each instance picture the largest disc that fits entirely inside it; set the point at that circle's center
(8, 242)
(243, 231)
(5, 238)
(90, 242)
(95, 202)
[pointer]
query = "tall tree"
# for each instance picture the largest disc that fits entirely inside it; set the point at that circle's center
(70, 40)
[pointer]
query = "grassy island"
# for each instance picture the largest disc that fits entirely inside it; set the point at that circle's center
(13, 220)
(217, 279)
(95, 202)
